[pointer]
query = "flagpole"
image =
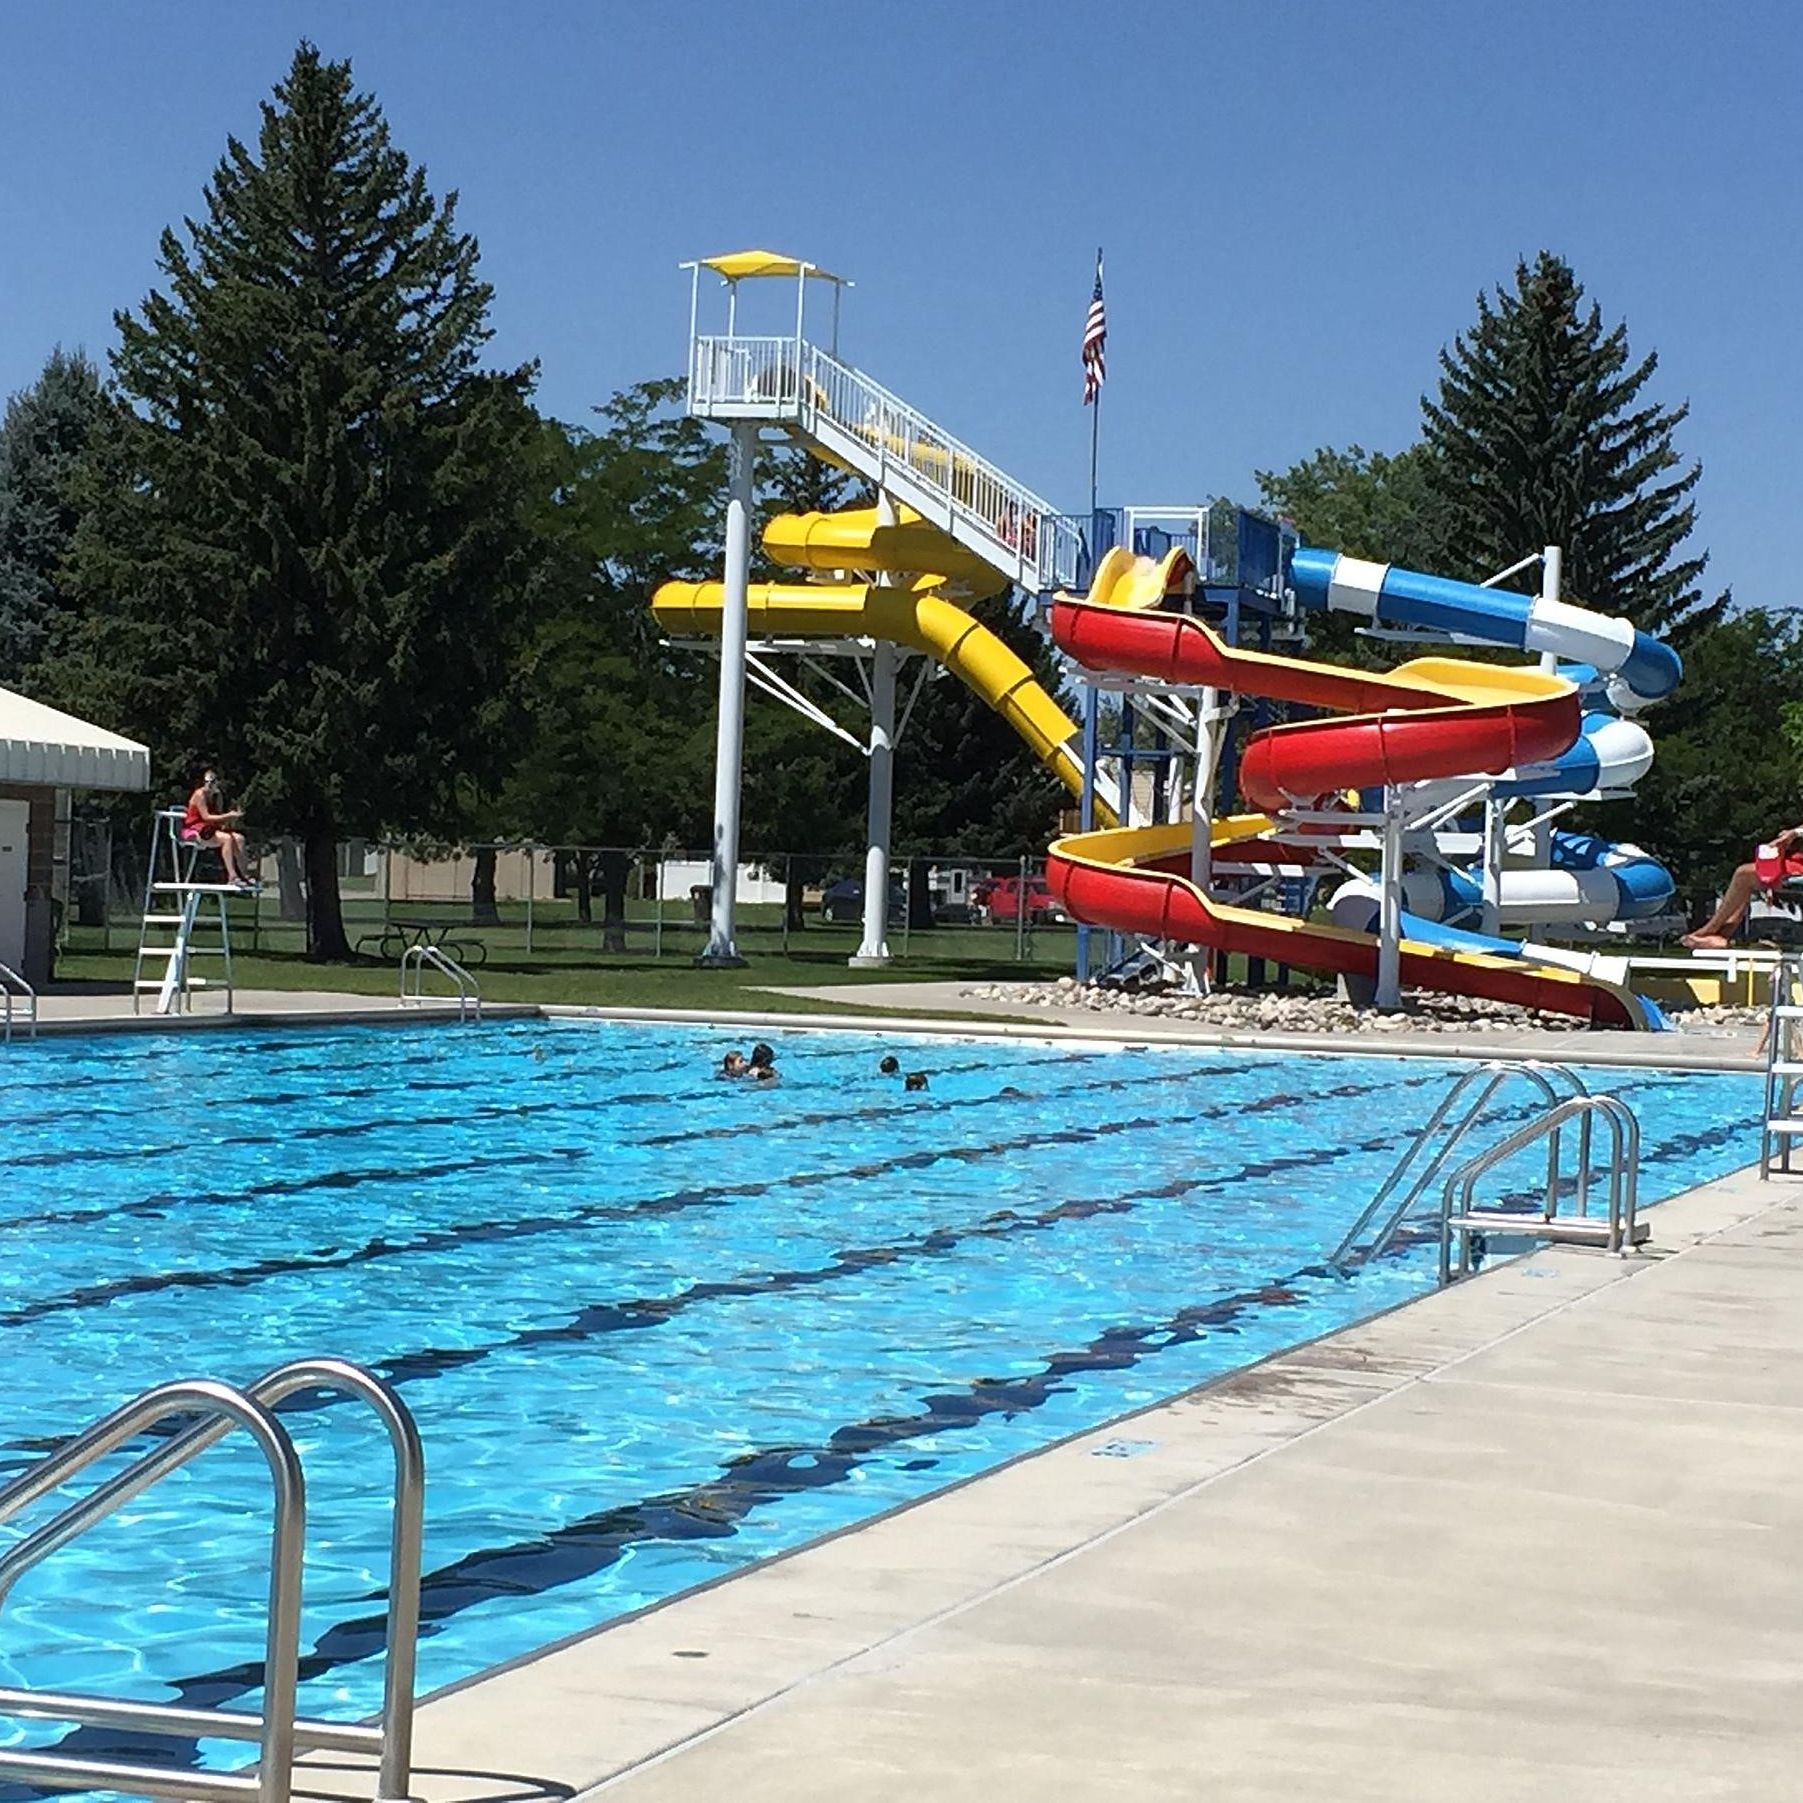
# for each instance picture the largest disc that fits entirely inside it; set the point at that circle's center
(1095, 434)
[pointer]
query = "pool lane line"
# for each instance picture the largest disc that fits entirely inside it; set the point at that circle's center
(571, 1552)
(560, 1556)
(165, 1202)
(188, 1148)
(611, 1316)
(577, 1219)
(151, 1057)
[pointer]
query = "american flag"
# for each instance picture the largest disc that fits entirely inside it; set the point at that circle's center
(1095, 342)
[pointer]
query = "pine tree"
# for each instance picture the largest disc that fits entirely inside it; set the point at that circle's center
(43, 440)
(311, 546)
(1542, 434)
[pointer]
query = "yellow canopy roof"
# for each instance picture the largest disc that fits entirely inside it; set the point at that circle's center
(737, 264)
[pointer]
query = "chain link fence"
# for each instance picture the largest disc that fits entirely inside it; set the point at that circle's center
(516, 903)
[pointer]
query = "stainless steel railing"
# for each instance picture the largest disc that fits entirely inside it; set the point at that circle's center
(789, 378)
(13, 990)
(1456, 1200)
(1546, 1078)
(221, 1408)
(415, 959)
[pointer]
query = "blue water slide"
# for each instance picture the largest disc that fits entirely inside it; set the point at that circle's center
(1648, 668)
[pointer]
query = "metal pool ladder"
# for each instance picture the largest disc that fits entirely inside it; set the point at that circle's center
(415, 959)
(14, 988)
(1616, 1231)
(1545, 1078)
(219, 1408)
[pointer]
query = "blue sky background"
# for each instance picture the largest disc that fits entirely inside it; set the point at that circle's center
(1299, 201)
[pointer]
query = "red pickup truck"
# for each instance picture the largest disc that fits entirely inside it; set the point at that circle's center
(1002, 900)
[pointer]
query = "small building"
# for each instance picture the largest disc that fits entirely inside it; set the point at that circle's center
(44, 755)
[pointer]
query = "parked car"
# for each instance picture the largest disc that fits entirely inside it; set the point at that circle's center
(844, 901)
(1005, 899)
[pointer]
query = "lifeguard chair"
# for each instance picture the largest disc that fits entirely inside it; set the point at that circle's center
(177, 900)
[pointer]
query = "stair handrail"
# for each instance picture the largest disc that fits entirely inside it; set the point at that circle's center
(1624, 1170)
(417, 957)
(14, 988)
(393, 1737)
(275, 1728)
(1346, 1254)
(789, 376)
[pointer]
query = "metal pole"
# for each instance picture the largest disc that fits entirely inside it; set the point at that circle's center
(1086, 805)
(1496, 814)
(657, 932)
(531, 887)
(1552, 568)
(1389, 916)
(788, 889)
(729, 744)
(873, 952)
(908, 905)
(1020, 914)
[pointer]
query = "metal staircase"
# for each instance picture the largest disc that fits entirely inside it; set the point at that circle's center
(202, 1412)
(178, 921)
(860, 425)
(1783, 1067)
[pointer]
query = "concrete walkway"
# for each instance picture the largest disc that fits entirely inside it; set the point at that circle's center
(1714, 1048)
(1537, 1536)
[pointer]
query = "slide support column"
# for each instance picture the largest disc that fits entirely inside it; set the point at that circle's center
(873, 949)
(1389, 916)
(729, 742)
(1496, 815)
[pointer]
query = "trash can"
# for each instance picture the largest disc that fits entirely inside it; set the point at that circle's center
(701, 900)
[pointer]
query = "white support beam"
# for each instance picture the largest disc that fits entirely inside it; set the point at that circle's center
(729, 739)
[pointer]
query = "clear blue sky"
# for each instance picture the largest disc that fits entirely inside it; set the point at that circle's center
(1299, 201)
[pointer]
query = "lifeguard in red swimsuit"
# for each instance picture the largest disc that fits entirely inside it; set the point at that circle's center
(205, 824)
(1775, 863)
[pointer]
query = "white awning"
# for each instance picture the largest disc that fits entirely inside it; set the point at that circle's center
(40, 746)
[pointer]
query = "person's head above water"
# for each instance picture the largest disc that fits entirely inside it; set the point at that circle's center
(733, 1065)
(890, 1064)
(763, 1057)
(915, 1080)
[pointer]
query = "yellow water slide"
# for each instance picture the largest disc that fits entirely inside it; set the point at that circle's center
(921, 614)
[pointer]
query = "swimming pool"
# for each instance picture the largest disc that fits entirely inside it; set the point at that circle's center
(654, 1326)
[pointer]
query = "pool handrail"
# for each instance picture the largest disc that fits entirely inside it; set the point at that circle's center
(390, 1737)
(1624, 1177)
(417, 957)
(1348, 1253)
(14, 988)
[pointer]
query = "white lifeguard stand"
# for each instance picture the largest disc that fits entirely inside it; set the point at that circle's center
(176, 903)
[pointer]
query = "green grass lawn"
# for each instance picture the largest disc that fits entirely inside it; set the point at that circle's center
(566, 962)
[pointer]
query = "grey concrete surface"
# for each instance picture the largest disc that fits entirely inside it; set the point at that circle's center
(1540, 1535)
(1723, 1048)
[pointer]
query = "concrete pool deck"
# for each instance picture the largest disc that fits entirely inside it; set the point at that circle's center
(1539, 1534)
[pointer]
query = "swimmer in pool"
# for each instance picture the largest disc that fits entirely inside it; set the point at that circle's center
(890, 1066)
(915, 1080)
(734, 1065)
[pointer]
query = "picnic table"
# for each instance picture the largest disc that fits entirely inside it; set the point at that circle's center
(452, 937)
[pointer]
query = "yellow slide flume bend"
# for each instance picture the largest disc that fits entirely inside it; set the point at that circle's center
(917, 617)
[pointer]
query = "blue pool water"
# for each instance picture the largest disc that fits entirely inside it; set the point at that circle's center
(654, 1326)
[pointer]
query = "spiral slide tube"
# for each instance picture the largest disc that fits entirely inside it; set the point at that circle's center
(1432, 718)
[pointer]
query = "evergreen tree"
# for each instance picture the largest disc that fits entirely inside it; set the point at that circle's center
(311, 547)
(1542, 434)
(43, 441)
